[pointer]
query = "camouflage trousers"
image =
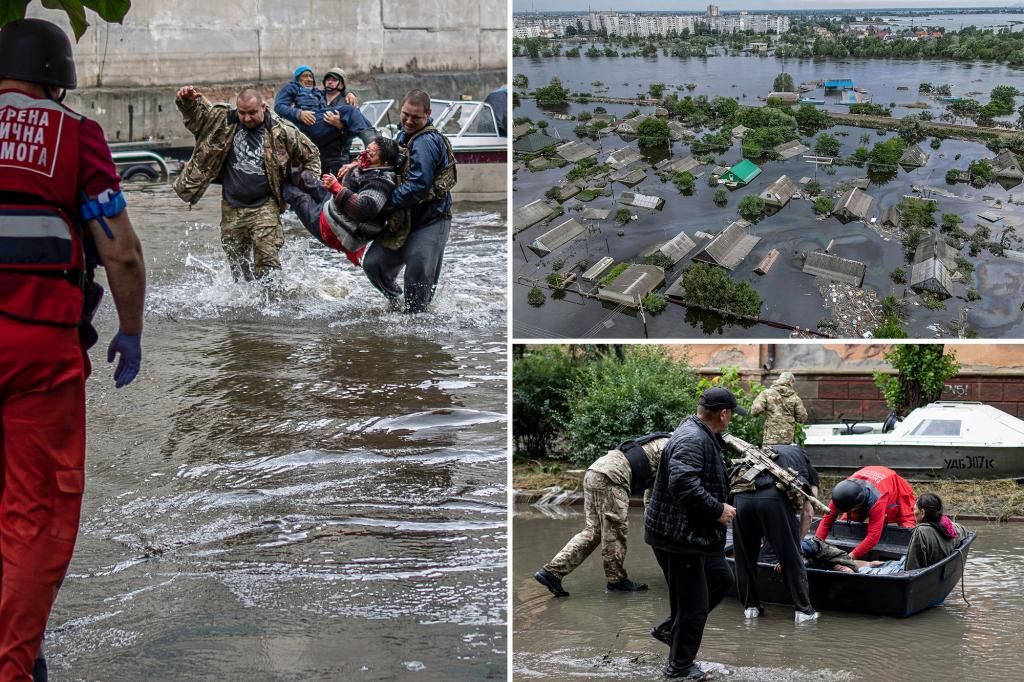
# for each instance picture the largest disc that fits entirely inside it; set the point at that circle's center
(605, 510)
(251, 238)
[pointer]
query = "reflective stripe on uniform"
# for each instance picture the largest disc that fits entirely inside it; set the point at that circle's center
(35, 237)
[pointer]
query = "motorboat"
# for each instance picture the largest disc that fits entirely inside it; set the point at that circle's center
(481, 152)
(898, 595)
(945, 439)
(812, 100)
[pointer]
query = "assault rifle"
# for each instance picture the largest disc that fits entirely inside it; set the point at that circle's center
(759, 462)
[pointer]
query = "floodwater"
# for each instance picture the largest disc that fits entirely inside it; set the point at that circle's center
(790, 297)
(303, 486)
(597, 635)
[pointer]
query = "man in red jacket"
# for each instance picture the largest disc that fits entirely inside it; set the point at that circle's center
(874, 494)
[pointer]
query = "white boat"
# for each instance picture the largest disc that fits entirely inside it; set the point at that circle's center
(480, 151)
(951, 440)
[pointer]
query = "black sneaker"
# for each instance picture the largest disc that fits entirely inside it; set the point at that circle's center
(690, 672)
(552, 582)
(662, 635)
(626, 585)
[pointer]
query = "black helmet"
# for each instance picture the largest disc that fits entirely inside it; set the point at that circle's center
(848, 495)
(37, 51)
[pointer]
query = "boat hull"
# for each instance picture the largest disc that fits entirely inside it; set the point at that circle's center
(897, 595)
(920, 462)
(483, 175)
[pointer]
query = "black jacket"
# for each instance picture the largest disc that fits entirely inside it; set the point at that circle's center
(688, 494)
(790, 457)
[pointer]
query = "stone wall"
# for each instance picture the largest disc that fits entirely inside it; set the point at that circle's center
(229, 41)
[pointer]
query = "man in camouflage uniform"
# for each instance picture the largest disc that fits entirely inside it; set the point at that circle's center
(251, 152)
(782, 409)
(607, 485)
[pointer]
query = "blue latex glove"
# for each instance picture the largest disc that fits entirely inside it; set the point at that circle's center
(130, 348)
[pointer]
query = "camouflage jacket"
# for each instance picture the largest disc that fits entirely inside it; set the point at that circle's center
(214, 129)
(615, 466)
(782, 409)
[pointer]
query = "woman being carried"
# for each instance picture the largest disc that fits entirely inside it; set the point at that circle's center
(346, 215)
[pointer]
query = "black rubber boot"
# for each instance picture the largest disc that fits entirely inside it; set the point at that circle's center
(626, 585)
(690, 672)
(552, 582)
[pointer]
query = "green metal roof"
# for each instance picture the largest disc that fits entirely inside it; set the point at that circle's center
(744, 172)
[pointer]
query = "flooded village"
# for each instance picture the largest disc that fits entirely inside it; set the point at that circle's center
(763, 191)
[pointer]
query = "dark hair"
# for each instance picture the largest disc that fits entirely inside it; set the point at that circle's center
(709, 412)
(388, 150)
(418, 98)
(931, 505)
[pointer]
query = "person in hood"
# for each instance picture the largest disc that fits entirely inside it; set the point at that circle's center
(324, 117)
(782, 409)
(874, 494)
(344, 212)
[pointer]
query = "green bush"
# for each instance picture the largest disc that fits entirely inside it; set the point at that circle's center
(655, 303)
(828, 145)
(813, 188)
(684, 182)
(614, 400)
(748, 428)
(922, 372)
(622, 216)
(536, 297)
(654, 132)
(539, 380)
(899, 275)
(552, 94)
(707, 286)
(721, 196)
(823, 205)
(751, 207)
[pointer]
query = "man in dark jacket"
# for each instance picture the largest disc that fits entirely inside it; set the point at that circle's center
(763, 510)
(423, 207)
(685, 525)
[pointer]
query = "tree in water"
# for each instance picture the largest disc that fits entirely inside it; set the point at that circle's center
(783, 83)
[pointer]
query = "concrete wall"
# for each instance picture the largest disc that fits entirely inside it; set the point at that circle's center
(222, 41)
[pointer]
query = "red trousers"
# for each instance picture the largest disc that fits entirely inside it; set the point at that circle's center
(42, 465)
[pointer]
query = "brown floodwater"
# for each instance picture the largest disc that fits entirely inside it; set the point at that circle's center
(299, 485)
(596, 635)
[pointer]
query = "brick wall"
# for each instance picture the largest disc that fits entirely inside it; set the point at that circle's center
(827, 396)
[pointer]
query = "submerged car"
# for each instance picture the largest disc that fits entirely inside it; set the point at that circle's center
(951, 440)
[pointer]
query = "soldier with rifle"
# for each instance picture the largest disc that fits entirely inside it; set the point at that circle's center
(768, 488)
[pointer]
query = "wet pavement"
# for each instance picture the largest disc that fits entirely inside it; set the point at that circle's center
(596, 635)
(790, 296)
(300, 485)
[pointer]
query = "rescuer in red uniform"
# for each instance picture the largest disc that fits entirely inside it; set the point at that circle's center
(874, 494)
(61, 213)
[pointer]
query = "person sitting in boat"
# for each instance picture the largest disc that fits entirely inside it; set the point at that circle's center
(323, 116)
(347, 215)
(875, 494)
(934, 538)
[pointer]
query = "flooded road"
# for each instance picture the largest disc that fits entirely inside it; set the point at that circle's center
(597, 635)
(303, 486)
(793, 231)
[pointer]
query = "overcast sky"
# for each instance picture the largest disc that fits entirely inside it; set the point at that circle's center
(677, 6)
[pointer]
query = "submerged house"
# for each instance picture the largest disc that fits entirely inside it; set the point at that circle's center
(914, 157)
(779, 192)
(742, 173)
(631, 125)
(729, 247)
(934, 263)
(623, 157)
(837, 269)
(534, 143)
(1007, 167)
(855, 204)
(632, 285)
(892, 217)
(787, 150)
(557, 237)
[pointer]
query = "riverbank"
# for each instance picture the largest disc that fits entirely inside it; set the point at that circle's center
(970, 500)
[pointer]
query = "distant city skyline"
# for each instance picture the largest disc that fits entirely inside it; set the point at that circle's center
(751, 5)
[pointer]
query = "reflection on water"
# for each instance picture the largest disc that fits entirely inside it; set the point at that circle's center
(606, 636)
(300, 485)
